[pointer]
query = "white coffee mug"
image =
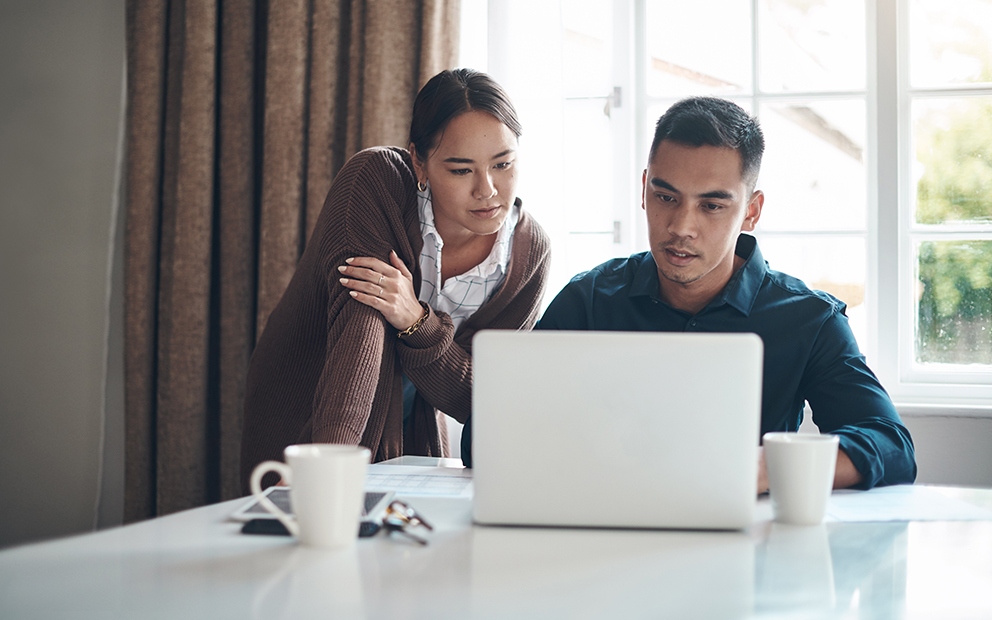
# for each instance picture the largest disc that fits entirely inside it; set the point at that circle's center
(800, 475)
(327, 488)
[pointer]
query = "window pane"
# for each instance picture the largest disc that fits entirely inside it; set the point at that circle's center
(811, 45)
(955, 302)
(950, 42)
(813, 171)
(698, 48)
(588, 161)
(473, 39)
(953, 168)
(834, 264)
(587, 58)
(585, 251)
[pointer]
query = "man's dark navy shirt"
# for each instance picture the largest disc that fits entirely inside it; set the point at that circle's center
(810, 352)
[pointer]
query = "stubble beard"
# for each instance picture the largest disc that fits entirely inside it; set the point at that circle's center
(676, 275)
(679, 278)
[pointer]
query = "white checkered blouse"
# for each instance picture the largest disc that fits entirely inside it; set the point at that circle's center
(462, 295)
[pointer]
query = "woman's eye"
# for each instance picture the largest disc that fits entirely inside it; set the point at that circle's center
(503, 165)
(461, 171)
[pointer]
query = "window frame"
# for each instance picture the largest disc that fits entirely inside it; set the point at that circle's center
(923, 382)
(890, 233)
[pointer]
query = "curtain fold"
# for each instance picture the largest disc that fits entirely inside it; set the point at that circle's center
(241, 58)
(238, 116)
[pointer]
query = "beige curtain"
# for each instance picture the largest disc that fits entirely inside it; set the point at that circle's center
(239, 113)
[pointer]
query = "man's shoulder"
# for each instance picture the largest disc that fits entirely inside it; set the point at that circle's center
(610, 276)
(591, 295)
(793, 289)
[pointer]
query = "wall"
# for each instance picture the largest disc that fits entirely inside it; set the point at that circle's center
(61, 68)
(952, 450)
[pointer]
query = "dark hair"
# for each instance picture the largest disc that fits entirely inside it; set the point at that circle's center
(699, 121)
(454, 92)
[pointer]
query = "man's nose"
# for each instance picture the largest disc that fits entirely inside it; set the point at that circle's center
(682, 222)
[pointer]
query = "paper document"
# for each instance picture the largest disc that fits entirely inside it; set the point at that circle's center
(901, 503)
(421, 481)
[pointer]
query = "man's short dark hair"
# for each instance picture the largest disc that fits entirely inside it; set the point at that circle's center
(709, 121)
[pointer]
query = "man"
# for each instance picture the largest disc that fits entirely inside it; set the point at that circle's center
(703, 274)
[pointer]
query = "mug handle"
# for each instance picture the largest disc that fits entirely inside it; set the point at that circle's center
(256, 488)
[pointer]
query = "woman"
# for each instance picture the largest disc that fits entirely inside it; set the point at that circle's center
(412, 254)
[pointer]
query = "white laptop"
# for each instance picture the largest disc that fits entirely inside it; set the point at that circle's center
(616, 429)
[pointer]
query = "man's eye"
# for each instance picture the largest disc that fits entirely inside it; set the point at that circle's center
(712, 207)
(665, 198)
(503, 165)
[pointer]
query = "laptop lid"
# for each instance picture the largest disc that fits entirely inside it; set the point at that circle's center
(616, 429)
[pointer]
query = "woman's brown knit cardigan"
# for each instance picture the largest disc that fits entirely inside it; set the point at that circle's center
(328, 368)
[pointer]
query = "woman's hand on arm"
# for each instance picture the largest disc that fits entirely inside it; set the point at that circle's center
(387, 288)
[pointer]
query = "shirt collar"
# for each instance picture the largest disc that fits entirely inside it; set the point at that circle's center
(645, 283)
(740, 292)
(426, 207)
(742, 289)
(498, 258)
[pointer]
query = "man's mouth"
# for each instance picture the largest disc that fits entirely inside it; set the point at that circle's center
(679, 257)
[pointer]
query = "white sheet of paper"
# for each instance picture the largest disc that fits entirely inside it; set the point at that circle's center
(420, 481)
(901, 503)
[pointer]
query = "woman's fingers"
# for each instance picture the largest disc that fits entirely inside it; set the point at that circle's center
(367, 268)
(361, 286)
(365, 298)
(374, 270)
(387, 288)
(400, 265)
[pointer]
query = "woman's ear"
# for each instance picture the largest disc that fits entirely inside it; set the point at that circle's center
(418, 166)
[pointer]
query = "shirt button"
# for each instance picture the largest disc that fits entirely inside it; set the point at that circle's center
(692, 323)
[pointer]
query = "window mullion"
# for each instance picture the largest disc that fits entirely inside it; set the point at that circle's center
(643, 132)
(885, 256)
(755, 56)
(627, 159)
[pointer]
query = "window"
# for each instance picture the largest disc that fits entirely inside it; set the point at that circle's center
(946, 179)
(800, 66)
(878, 168)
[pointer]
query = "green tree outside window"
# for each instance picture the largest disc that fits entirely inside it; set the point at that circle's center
(954, 148)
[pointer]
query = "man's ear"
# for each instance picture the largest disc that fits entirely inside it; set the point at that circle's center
(753, 213)
(418, 166)
(644, 187)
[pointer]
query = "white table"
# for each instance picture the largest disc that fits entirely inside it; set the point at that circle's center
(196, 564)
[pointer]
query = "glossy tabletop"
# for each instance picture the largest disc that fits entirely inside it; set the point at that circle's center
(196, 564)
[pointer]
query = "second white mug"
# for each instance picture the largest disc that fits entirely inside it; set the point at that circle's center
(800, 475)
